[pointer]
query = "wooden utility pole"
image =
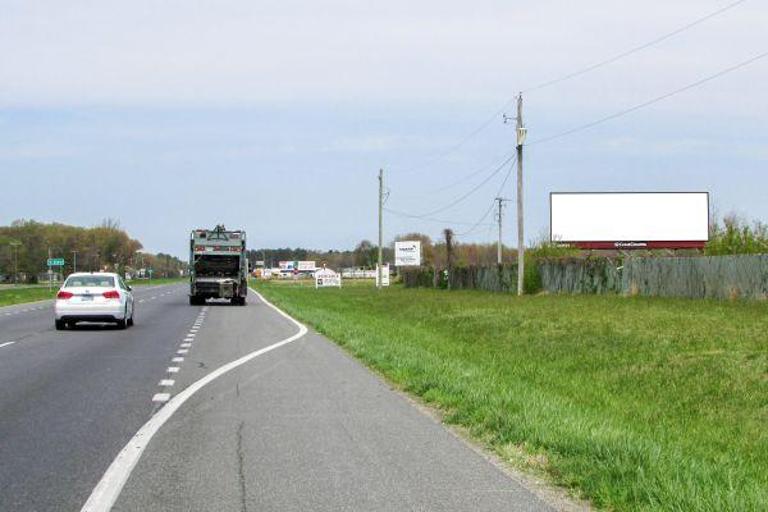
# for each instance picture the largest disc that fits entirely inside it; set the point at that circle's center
(521, 132)
(499, 216)
(381, 228)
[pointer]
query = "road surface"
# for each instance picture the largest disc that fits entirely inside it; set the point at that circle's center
(302, 427)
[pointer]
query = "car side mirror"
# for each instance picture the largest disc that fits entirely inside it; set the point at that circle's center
(128, 288)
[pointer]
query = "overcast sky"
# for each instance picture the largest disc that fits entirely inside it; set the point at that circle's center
(276, 116)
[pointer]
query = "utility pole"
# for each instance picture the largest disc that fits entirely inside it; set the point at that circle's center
(15, 244)
(381, 228)
(499, 216)
(520, 131)
(74, 261)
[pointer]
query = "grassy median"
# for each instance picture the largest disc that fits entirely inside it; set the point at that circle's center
(634, 403)
(24, 294)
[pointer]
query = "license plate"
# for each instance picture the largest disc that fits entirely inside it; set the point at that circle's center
(86, 298)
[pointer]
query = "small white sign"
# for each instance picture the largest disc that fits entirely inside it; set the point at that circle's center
(408, 253)
(306, 266)
(327, 277)
(384, 275)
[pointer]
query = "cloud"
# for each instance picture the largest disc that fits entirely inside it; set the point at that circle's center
(298, 52)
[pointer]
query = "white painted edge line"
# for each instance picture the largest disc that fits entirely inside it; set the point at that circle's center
(108, 489)
(6, 344)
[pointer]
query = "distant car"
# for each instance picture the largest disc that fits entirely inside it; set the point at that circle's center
(94, 297)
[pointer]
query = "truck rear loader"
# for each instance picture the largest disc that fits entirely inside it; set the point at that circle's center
(218, 267)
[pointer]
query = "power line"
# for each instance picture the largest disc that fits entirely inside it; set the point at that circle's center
(428, 219)
(490, 208)
(634, 50)
(649, 102)
(574, 74)
(455, 147)
(474, 189)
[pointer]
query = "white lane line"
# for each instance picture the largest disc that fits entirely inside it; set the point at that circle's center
(108, 489)
(167, 382)
(141, 300)
(191, 335)
(161, 397)
(185, 345)
(177, 359)
(189, 339)
(6, 344)
(173, 369)
(182, 351)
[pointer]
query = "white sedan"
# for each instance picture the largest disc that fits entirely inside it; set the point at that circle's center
(94, 297)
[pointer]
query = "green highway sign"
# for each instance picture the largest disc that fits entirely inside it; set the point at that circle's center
(55, 262)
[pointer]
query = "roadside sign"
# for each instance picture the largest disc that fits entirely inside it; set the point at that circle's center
(327, 277)
(408, 253)
(55, 262)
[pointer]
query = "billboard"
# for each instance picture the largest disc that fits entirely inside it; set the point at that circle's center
(630, 220)
(408, 253)
(299, 266)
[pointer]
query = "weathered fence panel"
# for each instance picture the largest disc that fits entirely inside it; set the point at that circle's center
(716, 277)
(574, 275)
(711, 277)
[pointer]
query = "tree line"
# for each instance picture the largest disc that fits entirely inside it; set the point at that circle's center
(731, 236)
(25, 246)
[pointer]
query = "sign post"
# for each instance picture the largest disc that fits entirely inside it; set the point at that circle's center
(382, 276)
(53, 262)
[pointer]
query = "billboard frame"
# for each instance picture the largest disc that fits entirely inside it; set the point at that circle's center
(634, 244)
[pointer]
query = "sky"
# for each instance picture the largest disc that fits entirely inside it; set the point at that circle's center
(276, 116)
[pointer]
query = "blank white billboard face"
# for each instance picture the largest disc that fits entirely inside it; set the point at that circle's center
(629, 217)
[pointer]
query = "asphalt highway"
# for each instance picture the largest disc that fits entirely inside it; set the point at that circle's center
(300, 427)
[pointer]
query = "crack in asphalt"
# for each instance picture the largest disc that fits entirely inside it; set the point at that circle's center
(240, 467)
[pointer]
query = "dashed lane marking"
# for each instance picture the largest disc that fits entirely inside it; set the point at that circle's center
(7, 343)
(182, 351)
(177, 359)
(161, 397)
(167, 382)
(173, 369)
(108, 489)
(185, 345)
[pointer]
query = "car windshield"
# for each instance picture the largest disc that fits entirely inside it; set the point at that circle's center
(92, 281)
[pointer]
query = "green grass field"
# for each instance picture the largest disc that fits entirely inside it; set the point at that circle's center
(633, 403)
(22, 294)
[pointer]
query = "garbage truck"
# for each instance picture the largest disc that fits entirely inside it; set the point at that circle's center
(218, 266)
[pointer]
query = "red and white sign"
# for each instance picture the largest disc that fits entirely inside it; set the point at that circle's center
(630, 220)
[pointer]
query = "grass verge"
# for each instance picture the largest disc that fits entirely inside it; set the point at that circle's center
(633, 403)
(21, 295)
